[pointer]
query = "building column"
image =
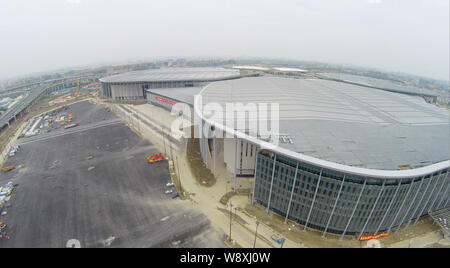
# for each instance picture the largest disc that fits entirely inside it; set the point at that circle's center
(440, 190)
(254, 176)
(292, 194)
(313, 201)
(235, 161)
(401, 207)
(446, 202)
(420, 202)
(205, 144)
(410, 206)
(201, 147)
(214, 142)
(354, 210)
(443, 196)
(373, 209)
(200, 132)
(271, 184)
(429, 198)
(334, 207)
(389, 208)
(206, 147)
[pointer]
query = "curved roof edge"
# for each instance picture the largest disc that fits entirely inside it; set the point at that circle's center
(176, 74)
(358, 171)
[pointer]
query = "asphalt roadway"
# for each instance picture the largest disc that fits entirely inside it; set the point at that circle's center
(17, 108)
(97, 187)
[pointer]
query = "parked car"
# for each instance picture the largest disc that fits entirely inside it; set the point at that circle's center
(169, 191)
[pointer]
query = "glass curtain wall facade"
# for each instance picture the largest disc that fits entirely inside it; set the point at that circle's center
(120, 88)
(106, 90)
(338, 203)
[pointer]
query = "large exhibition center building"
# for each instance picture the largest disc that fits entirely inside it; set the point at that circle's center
(347, 159)
(133, 85)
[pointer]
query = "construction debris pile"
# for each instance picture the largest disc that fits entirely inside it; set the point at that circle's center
(5, 196)
(48, 122)
(60, 100)
(13, 150)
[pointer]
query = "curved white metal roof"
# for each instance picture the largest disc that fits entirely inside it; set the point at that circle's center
(347, 128)
(174, 74)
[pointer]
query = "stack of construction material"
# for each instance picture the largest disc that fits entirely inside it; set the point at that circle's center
(5, 192)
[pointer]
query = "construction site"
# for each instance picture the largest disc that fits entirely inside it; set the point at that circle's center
(213, 196)
(105, 173)
(94, 183)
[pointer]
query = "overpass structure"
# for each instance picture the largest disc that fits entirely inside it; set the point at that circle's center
(17, 110)
(38, 90)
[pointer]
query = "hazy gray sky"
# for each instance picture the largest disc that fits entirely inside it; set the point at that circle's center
(395, 35)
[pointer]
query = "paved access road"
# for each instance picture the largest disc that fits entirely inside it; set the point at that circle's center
(20, 106)
(96, 186)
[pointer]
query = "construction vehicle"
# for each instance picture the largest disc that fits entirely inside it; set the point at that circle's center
(8, 168)
(155, 155)
(155, 158)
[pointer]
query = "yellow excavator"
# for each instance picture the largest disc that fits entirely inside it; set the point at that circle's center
(8, 168)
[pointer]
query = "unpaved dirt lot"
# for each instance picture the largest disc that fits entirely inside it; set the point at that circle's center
(203, 175)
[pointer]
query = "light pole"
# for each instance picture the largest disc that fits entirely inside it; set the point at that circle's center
(231, 214)
(256, 233)
(164, 140)
(137, 123)
(179, 174)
